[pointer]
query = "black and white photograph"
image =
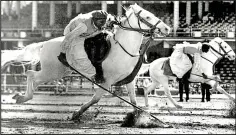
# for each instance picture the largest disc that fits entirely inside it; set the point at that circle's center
(118, 67)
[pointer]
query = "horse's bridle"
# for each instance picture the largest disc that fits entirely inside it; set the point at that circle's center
(140, 30)
(218, 52)
(221, 48)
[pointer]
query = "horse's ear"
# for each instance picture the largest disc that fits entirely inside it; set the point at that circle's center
(124, 7)
(217, 39)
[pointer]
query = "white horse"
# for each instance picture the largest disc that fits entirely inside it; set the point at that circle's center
(120, 62)
(218, 49)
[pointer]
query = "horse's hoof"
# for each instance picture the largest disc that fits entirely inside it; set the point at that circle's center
(20, 99)
(16, 96)
(76, 116)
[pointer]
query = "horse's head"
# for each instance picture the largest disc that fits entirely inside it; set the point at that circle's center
(139, 18)
(223, 49)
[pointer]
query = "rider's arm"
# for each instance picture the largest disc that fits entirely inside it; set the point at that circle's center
(73, 24)
(80, 28)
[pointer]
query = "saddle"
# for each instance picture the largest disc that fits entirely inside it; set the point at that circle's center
(167, 69)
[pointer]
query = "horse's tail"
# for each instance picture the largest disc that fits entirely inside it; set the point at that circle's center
(27, 55)
(144, 69)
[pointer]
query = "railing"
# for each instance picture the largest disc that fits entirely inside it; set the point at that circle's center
(28, 33)
(75, 81)
(17, 82)
(50, 33)
(195, 32)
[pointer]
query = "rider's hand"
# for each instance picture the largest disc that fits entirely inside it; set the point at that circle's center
(110, 24)
(110, 21)
(204, 76)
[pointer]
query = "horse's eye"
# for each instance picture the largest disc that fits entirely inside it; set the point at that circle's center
(148, 18)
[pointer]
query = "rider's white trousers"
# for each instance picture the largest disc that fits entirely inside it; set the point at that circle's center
(78, 58)
(179, 63)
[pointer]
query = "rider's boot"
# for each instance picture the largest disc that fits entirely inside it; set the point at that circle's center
(62, 59)
(98, 77)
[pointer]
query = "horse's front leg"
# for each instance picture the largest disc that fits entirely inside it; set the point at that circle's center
(164, 82)
(131, 92)
(96, 97)
(148, 90)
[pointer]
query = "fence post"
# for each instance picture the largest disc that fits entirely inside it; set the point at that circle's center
(67, 86)
(81, 82)
(42, 32)
(5, 82)
(92, 85)
(56, 91)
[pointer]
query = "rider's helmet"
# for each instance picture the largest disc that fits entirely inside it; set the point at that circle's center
(99, 18)
(205, 45)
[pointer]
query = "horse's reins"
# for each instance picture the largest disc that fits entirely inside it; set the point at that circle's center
(140, 30)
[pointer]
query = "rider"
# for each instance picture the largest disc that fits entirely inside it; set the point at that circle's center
(80, 28)
(180, 62)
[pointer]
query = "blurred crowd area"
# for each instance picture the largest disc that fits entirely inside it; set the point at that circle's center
(219, 19)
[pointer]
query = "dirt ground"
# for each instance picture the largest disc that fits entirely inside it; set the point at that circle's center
(50, 114)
